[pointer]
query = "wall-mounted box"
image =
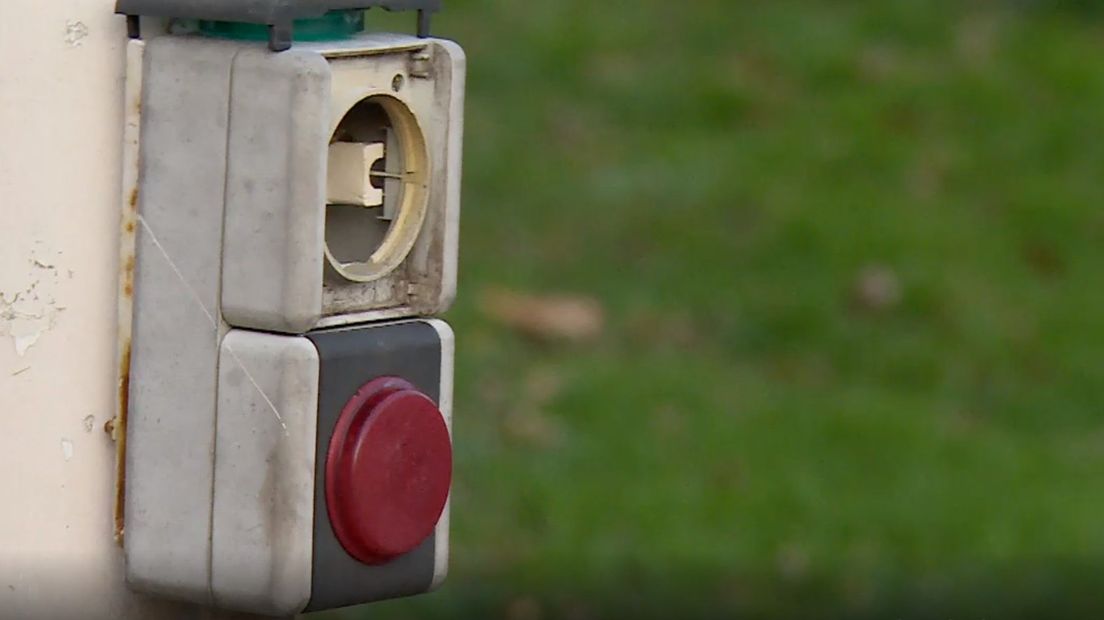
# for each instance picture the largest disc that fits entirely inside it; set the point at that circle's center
(265, 299)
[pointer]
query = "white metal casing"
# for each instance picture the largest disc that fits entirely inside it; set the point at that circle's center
(214, 253)
(264, 483)
(177, 325)
(284, 109)
(261, 527)
(263, 500)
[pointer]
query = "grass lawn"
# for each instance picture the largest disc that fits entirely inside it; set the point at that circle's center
(749, 435)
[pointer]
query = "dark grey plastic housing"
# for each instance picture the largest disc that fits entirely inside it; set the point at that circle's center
(350, 356)
(278, 15)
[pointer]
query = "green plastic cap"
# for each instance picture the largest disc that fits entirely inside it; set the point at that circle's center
(331, 26)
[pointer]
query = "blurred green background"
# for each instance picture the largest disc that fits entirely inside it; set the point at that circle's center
(837, 352)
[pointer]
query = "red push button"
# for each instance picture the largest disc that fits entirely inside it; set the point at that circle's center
(388, 470)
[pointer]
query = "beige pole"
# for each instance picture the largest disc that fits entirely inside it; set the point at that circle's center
(61, 131)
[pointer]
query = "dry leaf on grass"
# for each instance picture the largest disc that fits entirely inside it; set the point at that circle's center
(569, 318)
(524, 608)
(528, 422)
(793, 562)
(876, 288)
(534, 428)
(543, 384)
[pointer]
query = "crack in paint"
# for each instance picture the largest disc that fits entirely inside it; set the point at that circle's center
(27, 314)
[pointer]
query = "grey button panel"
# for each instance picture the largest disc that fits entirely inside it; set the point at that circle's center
(350, 357)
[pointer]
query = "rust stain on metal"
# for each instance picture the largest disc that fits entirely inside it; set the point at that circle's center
(118, 433)
(128, 229)
(117, 426)
(128, 278)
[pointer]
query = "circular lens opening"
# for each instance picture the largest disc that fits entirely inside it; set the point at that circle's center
(365, 243)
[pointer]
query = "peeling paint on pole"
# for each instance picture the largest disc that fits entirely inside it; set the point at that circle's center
(62, 123)
(30, 308)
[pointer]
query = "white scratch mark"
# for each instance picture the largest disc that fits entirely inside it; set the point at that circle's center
(21, 371)
(256, 386)
(66, 449)
(211, 318)
(88, 422)
(75, 32)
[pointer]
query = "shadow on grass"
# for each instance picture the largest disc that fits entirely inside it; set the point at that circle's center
(1042, 589)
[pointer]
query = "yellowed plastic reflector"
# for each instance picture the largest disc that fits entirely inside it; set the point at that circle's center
(349, 174)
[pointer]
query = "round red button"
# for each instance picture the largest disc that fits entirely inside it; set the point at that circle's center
(388, 470)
